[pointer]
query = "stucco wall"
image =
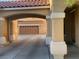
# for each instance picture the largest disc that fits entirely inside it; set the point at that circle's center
(1, 26)
(15, 29)
(43, 11)
(40, 22)
(57, 30)
(59, 5)
(4, 14)
(69, 26)
(77, 27)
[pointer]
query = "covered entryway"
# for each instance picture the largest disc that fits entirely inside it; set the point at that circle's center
(26, 28)
(40, 9)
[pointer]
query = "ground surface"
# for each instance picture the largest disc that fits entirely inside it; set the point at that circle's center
(73, 52)
(26, 51)
(33, 50)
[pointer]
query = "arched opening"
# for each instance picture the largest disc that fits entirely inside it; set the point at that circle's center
(24, 26)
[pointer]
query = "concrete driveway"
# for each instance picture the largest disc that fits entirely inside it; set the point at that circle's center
(22, 50)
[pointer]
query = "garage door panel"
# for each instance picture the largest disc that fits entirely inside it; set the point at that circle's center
(29, 30)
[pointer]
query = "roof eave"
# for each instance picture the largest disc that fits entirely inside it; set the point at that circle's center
(23, 8)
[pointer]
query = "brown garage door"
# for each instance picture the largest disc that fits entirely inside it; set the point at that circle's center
(29, 30)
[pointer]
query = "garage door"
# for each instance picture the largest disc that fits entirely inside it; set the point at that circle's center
(25, 30)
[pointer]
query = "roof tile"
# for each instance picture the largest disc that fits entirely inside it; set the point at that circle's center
(23, 3)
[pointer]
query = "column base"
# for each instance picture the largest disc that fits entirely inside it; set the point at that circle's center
(58, 56)
(13, 38)
(3, 40)
(58, 49)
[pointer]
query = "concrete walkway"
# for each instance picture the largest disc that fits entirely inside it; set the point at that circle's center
(73, 52)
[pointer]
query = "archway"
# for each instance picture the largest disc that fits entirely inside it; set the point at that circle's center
(22, 25)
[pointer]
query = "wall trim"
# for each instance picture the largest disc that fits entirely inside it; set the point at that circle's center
(28, 24)
(27, 8)
(56, 15)
(58, 48)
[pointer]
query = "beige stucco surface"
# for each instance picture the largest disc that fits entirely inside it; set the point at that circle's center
(77, 27)
(42, 23)
(4, 32)
(43, 11)
(3, 24)
(32, 22)
(59, 5)
(1, 28)
(58, 30)
(57, 25)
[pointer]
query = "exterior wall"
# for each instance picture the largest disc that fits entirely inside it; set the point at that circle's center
(31, 22)
(69, 25)
(15, 30)
(42, 25)
(3, 29)
(1, 25)
(57, 45)
(42, 11)
(6, 13)
(4, 32)
(77, 26)
(49, 29)
(58, 32)
(59, 5)
(38, 21)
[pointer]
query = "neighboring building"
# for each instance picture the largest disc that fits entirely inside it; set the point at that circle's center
(20, 19)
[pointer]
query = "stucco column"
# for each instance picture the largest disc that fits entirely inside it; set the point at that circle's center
(58, 47)
(49, 30)
(15, 30)
(3, 31)
(5, 28)
(58, 26)
(49, 25)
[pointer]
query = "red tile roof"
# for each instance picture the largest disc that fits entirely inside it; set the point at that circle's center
(23, 3)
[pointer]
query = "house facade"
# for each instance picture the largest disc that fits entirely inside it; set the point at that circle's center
(20, 19)
(41, 18)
